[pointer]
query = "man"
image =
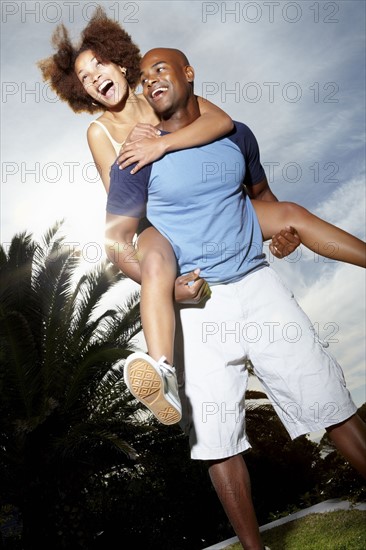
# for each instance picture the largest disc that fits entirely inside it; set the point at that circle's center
(196, 200)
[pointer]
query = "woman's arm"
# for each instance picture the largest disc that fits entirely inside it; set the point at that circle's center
(102, 151)
(213, 124)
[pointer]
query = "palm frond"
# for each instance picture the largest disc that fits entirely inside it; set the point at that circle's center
(19, 373)
(16, 272)
(95, 285)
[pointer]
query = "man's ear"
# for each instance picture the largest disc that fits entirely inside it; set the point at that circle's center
(189, 73)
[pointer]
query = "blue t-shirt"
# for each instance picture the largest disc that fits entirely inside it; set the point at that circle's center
(196, 199)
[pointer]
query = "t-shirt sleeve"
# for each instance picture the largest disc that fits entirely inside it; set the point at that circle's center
(254, 171)
(128, 192)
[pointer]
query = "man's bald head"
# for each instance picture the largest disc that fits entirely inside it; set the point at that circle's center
(171, 53)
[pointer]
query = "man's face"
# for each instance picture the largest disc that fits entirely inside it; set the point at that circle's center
(165, 80)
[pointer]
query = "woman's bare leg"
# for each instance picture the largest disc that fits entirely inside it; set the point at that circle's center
(316, 234)
(158, 274)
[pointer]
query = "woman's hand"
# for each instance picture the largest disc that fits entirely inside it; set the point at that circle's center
(142, 146)
(191, 289)
(285, 242)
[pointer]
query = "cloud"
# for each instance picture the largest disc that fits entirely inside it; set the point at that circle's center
(346, 207)
(336, 305)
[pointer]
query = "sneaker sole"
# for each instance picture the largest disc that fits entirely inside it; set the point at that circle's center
(147, 386)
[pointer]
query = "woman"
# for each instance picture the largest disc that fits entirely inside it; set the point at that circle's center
(101, 74)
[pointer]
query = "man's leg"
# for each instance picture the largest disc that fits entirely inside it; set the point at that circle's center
(302, 379)
(350, 439)
(210, 351)
(231, 481)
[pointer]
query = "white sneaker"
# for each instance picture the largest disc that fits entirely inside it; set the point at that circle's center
(154, 383)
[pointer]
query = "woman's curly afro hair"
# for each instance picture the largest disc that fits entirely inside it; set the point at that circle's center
(108, 41)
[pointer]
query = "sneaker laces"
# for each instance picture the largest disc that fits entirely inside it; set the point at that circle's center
(164, 367)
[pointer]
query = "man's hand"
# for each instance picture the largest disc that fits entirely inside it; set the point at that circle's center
(191, 289)
(284, 242)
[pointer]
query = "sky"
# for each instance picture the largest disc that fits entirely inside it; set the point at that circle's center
(294, 72)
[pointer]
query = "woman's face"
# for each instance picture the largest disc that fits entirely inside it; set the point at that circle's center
(104, 82)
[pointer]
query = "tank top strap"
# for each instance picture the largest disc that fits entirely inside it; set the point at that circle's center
(117, 146)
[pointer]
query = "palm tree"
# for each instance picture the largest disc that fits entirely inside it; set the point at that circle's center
(66, 420)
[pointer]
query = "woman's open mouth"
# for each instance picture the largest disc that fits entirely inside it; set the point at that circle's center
(105, 87)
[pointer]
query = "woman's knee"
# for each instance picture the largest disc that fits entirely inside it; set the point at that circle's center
(157, 263)
(293, 214)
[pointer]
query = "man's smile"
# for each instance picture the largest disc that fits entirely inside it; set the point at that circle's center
(158, 92)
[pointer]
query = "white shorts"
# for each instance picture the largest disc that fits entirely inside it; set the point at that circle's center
(256, 318)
